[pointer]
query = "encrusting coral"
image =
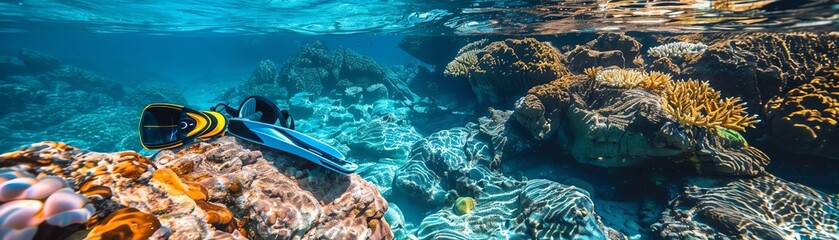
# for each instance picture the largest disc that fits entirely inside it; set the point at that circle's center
(806, 119)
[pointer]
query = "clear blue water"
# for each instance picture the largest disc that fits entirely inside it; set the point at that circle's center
(200, 53)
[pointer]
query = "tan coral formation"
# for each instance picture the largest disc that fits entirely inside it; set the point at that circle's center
(504, 69)
(806, 119)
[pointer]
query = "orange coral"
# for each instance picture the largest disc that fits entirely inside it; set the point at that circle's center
(175, 186)
(126, 223)
(216, 214)
(695, 103)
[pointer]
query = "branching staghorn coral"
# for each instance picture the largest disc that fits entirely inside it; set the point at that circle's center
(695, 103)
(630, 78)
(679, 50)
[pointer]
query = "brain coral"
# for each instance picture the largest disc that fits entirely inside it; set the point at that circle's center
(504, 69)
(806, 119)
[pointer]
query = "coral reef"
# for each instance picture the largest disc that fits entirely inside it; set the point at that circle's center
(806, 119)
(536, 209)
(764, 207)
(606, 50)
(212, 190)
(498, 71)
(677, 50)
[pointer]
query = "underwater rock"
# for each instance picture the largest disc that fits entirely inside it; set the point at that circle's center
(263, 82)
(316, 70)
(82, 80)
(501, 70)
(536, 209)
(15, 97)
(55, 106)
(541, 109)
(505, 136)
(36, 62)
(606, 50)
(806, 119)
(759, 66)
(764, 207)
(10, 66)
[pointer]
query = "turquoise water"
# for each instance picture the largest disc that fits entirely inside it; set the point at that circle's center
(546, 114)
